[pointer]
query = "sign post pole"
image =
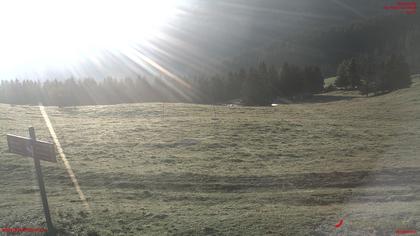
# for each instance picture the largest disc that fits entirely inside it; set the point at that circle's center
(51, 230)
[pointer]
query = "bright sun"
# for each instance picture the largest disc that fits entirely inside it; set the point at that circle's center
(37, 35)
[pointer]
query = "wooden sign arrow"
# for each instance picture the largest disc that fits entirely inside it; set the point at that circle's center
(31, 148)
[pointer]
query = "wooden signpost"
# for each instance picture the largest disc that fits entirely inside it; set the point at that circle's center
(38, 150)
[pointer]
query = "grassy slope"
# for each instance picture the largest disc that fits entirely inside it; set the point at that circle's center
(289, 170)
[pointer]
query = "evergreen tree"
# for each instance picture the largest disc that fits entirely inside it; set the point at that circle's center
(313, 80)
(343, 78)
(369, 77)
(257, 88)
(353, 73)
(291, 80)
(396, 73)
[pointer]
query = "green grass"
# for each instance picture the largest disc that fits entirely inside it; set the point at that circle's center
(329, 81)
(293, 169)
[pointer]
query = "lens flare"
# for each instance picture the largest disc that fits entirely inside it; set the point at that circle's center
(45, 35)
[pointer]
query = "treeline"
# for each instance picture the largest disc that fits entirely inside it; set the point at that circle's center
(72, 92)
(261, 85)
(371, 74)
(256, 86)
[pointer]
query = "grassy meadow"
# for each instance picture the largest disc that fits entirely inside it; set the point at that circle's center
(184, 169)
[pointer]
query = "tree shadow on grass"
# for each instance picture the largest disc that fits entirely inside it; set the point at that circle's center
(324, 99)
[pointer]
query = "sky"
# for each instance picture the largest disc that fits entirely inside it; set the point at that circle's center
(47, 38)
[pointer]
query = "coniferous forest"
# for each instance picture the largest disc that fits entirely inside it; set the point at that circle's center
(260, 85)
(257, 86)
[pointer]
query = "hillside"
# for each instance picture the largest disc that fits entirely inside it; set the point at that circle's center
(379, 35)
(210, 33)
(183, 169)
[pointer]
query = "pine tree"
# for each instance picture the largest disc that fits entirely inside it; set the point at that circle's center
(396, 73)
(343, 78)
(353, 73)
(313, 80)
(369, 77)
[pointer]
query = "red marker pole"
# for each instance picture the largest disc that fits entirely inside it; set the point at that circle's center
(403, 231)
(339, 224)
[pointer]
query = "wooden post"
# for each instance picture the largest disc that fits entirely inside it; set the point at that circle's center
(51, 230)
(214, 111)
